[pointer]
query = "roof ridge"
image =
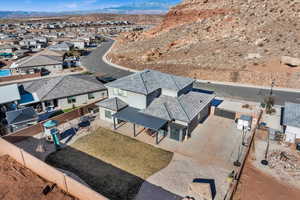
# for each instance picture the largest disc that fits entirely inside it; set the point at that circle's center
(172, 77)
(144, 83)
(117, 103)
(183, 109)
(165, 105)
(60, 80)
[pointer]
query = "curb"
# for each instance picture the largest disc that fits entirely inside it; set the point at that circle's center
(104, 58)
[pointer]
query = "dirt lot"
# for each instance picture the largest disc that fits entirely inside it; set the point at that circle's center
(112, 164)
(20, 183)
(258, 185)
(279, 180)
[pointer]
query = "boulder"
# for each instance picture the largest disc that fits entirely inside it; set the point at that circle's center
(253, 56)
(294, 62)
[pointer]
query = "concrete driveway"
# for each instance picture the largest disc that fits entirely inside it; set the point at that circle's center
(176, 178)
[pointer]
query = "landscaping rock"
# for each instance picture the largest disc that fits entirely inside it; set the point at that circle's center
(253, 56)
(290, 61)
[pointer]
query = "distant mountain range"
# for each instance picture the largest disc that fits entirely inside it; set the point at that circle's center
(159, 7)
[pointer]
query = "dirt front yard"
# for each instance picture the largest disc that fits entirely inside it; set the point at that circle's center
(112, 164)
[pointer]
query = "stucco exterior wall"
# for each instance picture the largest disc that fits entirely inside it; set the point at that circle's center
(167, 92)
(292, 133)
(102, 114)
(80, 100)
(51, 68)
(152, 96)
(186, 89)
(132, 99)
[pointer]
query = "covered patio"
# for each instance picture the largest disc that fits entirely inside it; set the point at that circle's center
(155, 126)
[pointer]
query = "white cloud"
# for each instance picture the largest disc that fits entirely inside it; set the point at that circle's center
(72, 5)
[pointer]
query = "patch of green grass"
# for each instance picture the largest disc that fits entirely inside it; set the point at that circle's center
(113, 164)
(68, 110)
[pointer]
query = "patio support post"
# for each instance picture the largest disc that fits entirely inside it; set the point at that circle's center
(156, 137)
(114, 123)
(134, 130)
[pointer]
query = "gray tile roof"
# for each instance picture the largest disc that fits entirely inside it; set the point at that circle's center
(21, 115)
(9, 93)
(183, 108)
(39, 60)
(148, 81)
(291, 114)
(114, 104)
(63, 86)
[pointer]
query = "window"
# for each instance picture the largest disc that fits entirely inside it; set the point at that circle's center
(108, 114)
(71, 100)
(91, 96)
(122, 93)
(115, 91)
(119, 92)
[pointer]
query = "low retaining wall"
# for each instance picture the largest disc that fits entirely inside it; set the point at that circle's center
(49, 173)
(37, 128)
(19, 77)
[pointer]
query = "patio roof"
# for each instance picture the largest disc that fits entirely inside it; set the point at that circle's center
(133, 115)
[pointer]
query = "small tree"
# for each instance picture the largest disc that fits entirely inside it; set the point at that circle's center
(269, 103)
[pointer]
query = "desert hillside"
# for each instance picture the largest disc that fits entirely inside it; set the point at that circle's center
(224, 40)
(138, 19)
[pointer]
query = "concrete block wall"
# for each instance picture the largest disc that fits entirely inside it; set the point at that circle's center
(66, 183)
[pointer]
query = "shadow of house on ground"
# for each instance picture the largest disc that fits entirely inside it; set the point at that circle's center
(108, 180)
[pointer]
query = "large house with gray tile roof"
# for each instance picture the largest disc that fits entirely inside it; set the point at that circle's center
(158, 101)
(291, 121)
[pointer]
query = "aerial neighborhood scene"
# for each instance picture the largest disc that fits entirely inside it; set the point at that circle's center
(150, 100)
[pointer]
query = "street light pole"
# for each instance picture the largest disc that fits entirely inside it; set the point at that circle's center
(272, 85)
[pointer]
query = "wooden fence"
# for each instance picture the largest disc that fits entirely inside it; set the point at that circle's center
(66, 183)
(19, 77)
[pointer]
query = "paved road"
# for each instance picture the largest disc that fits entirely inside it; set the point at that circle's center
(94, 62)
(250, 93)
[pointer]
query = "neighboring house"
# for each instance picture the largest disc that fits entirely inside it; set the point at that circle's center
(62, 92)
(163, 103)
(79, 44)
(291, 121)
(9, 97)
(22, 118)
(64, 46)
(7, 49)
(37, 63)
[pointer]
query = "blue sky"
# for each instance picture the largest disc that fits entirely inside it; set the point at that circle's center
(70, 5)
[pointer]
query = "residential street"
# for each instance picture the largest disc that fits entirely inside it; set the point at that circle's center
(95, 63)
